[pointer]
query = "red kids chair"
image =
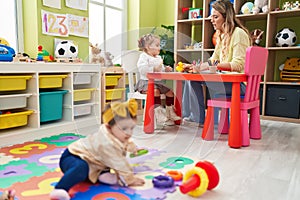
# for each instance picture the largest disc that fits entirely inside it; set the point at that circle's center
(255, 64)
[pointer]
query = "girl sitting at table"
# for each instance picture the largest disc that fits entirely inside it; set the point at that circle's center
(230, 52)
(151, 61)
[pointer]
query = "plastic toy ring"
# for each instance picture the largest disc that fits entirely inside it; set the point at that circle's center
(162, 181)
(203, 181)
(176, 175)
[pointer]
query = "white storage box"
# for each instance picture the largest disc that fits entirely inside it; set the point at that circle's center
(82, 78)
(13, 101)
(83, 109)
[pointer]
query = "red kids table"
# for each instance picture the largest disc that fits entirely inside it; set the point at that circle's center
(235, 130)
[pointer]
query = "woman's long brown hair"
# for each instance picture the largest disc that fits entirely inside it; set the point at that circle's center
(225, 7)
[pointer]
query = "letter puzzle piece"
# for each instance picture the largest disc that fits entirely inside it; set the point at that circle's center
(62, 140)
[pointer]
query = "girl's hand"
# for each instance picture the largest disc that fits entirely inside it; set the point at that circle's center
(157, 68)
(137, 182)
(168, 69)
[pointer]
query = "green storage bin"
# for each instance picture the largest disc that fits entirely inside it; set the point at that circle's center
(51, 105)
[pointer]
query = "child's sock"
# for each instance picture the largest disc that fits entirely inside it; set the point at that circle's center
(108, 178)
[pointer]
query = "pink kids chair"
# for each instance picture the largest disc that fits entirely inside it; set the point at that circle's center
(255, 64)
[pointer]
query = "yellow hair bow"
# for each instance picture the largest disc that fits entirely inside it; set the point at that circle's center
(120, 109)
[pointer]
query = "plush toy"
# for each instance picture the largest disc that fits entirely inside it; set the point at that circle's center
(96, 54)
(260, 5)
(287, 6)
(256, 36)
(296, 5)
(8, 195)
(291, 70)
(247, 8)
(108, 57)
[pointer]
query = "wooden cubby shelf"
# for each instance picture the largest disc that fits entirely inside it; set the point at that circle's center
(189, 31)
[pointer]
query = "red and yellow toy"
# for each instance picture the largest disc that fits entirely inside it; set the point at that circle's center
(180, 67)
(204, 176)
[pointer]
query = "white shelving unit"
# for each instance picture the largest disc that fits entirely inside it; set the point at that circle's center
(72, 118)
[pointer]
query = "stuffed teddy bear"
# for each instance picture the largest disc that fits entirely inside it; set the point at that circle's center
(96, 54)
(108, 57)
(256, 36)
(260, 5)
(8, 195)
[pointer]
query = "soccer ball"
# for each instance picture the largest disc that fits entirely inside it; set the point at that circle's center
(66, 49)
(286, 37)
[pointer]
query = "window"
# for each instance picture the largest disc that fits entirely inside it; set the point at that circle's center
(11, 23)
(107, 23)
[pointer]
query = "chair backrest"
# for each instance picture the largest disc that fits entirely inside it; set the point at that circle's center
(255, 65)
(129, 63)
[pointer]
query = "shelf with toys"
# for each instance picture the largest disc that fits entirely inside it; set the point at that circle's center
(113, 85)
(280, 96)
(40, 99)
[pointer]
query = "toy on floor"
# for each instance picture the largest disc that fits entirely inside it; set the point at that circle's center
(176, 175)
(162, 181)
(204, 176)
(8, 195)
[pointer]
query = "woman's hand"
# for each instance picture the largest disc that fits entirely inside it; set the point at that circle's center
(201, 67)
(188, 67)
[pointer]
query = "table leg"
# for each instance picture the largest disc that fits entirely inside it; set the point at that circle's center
(235, 130)
(149, 112)
(178, 100)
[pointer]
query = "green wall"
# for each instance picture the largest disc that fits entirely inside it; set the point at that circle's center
(33, 36)
(144, 15)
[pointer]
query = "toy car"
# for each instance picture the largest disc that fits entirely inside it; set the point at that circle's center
(6, 53)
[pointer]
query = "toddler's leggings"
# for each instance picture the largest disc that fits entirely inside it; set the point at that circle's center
(75, 170)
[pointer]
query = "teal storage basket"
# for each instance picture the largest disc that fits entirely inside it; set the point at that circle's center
(51, 105)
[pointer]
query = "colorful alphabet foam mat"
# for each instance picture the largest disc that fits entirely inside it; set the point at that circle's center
(32, 170)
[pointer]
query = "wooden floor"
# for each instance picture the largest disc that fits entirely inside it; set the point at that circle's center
(268, 169)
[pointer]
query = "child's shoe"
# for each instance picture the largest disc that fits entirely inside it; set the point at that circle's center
(59, 194)
(160, 115)
(169, 122)
(171, 113)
